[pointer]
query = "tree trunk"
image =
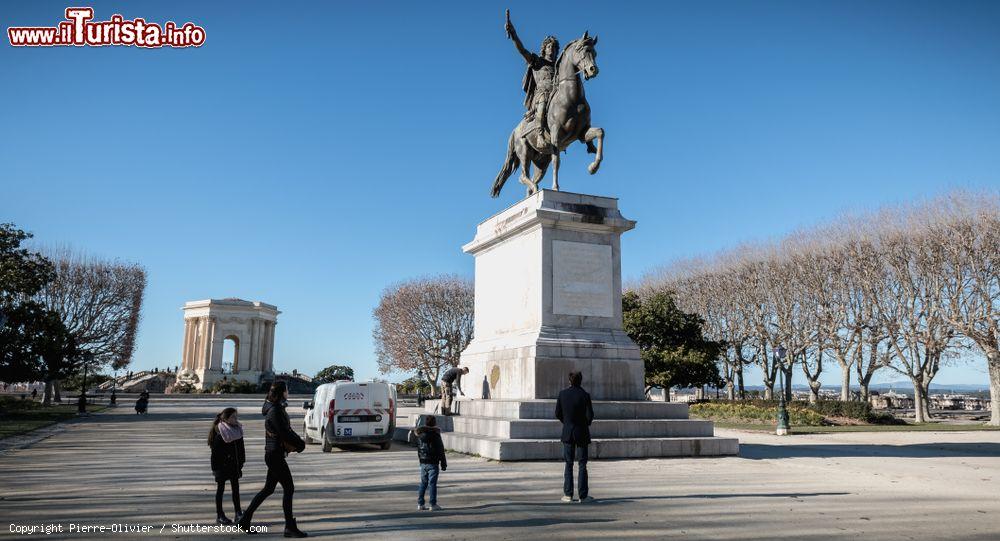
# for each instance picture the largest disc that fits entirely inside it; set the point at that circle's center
(47, 398)
(863, 384)
(768, 390)
(845, 382)
(926, 388)
(993, 361)
(730, 391)
(739, 380)
(814, 392)
(57, 390)
(918, 403)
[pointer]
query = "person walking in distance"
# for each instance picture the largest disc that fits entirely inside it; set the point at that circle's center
(228, 456)
(575, 410)
(279, 440)
(450, 381)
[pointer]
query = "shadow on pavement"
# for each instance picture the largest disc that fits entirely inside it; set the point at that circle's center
(755, 451)
(442, 521)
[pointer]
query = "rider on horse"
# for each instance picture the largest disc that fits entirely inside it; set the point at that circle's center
(540, 77)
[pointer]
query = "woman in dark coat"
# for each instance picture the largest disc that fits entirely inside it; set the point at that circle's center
(279, 440)
(228, 457)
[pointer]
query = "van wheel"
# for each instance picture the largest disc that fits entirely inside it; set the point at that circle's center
(385, 446)
(327, 446)
(305, 435)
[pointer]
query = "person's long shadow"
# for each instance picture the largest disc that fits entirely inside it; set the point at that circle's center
(756, 451)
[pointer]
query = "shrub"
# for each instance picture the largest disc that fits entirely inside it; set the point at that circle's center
(738, 412)
(860, 411)
(74, 382)
(234, 387)
(15, 404)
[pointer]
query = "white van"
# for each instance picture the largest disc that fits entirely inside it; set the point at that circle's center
(347, 412)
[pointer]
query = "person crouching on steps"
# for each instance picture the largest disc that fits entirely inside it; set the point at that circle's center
(279, 441)
(430, 451)
(228, 457)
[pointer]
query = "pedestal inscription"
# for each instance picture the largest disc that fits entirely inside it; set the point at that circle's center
(582, 279)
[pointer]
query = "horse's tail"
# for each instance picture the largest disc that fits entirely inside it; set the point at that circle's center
(508, 167)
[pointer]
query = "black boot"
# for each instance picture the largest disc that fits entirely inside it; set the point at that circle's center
(244, 522)
(223, 519)
(292, 530)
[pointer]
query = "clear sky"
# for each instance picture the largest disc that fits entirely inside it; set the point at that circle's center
(310, 153)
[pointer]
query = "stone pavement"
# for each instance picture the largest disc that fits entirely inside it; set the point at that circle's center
(116, 468)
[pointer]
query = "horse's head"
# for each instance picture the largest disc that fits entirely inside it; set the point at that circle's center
(581, 53)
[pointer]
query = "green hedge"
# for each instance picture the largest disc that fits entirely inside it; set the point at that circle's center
(234, 387)
(741, 412)
(860, 411)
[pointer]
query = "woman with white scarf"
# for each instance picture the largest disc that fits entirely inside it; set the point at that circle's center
(228, 456)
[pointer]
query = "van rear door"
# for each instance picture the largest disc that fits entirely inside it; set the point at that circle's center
(353, 409)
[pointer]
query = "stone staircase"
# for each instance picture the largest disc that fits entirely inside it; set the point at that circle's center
(526, 430)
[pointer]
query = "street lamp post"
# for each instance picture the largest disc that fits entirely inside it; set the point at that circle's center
(114, 384)
(81, 404)
(782, 428)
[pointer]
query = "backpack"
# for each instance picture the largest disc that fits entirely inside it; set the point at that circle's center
(426, 452)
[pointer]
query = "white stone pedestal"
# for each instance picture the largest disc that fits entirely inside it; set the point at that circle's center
(548, 301)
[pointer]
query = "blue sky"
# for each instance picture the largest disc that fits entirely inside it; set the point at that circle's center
(311, 153)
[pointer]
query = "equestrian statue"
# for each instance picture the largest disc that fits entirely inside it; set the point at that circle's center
(557, 110)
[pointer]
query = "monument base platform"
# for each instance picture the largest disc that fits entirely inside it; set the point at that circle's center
(526, 430)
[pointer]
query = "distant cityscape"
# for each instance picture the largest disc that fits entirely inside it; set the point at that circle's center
(884, 396)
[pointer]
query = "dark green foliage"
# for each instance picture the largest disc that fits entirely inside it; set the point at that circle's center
(30, 333)
(750, 413)
(856, 410)
(234, 387)
(333, 373)
(413, 384)
(673, 349)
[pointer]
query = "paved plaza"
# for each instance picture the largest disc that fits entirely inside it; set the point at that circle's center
(118, 468)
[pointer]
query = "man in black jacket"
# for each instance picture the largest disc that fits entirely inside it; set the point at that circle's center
(430, 453)
(575, 410)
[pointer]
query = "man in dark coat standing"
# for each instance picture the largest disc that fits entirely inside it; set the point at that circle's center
(575, 410)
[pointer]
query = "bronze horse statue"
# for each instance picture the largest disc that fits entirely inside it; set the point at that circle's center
(568, 118)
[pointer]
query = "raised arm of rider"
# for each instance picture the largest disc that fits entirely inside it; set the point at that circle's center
(529, 56)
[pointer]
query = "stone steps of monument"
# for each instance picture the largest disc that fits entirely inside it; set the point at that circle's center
(545, 409)
(551, 449)
(552, 428)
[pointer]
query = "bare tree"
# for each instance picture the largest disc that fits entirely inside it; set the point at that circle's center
(100, 303)
(423, 325)
(913, 262)
(968, 231)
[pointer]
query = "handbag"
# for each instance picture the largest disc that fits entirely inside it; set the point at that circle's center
(288, 446)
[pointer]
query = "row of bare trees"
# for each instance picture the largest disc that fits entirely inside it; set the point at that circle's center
(904, 288)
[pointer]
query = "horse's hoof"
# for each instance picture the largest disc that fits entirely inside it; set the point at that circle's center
(592, 168)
